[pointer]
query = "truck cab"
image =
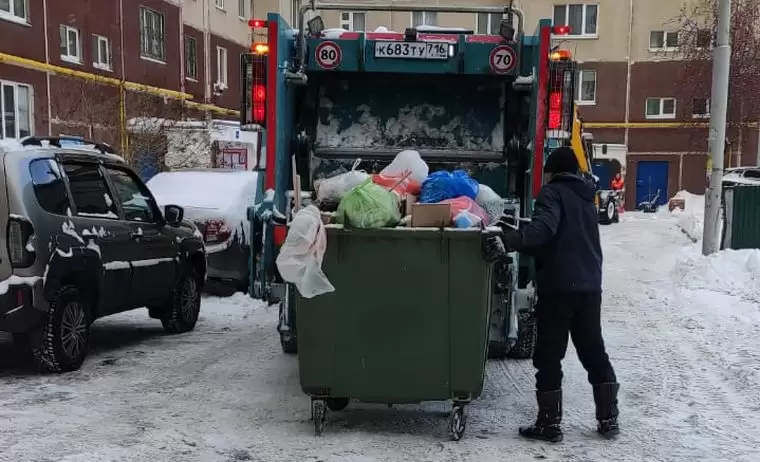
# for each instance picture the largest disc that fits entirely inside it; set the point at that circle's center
(329, 100)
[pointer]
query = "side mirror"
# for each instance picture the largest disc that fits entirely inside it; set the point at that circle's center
(173, 214)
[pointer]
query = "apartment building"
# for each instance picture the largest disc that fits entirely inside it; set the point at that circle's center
(634, 87)
(82, 67)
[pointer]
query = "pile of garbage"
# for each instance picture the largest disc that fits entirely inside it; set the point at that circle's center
(404, 193)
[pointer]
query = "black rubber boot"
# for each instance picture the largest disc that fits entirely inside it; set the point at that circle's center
(547, 426)
(605, 398)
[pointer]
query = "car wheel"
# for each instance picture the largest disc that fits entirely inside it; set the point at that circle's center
(181, 313)
(65, 333)
(609, 213)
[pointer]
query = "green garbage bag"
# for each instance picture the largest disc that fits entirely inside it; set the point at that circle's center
(369, 206)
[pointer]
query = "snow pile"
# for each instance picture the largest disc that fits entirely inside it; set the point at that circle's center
(732, 272)
(691, 220)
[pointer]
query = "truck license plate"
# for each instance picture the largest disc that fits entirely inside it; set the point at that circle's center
(412, 50)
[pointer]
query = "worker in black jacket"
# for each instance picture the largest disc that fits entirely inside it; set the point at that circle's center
(563, 237)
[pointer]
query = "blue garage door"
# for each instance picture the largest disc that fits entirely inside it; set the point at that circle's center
(603, 170)
(651, 177)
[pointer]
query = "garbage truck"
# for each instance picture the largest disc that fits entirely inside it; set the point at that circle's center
(330, 100)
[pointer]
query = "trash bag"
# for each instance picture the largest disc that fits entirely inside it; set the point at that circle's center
(407, 162)
(443, 185)
(300, 258)
(475, 213)
(491, 202)
(369, 206)
(331, 190)
(399, 184)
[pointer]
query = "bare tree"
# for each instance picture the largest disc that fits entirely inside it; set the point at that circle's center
(697, 29)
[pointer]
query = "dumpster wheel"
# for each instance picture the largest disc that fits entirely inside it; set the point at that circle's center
(337, 404)
(319, 415)
(457, 421)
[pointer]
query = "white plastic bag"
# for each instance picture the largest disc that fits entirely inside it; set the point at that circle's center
(300, 258)
(333, 189)
(407, 161)
(491, 202)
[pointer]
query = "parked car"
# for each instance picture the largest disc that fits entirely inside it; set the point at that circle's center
(83, 238)
(741, 176)
(217, 201)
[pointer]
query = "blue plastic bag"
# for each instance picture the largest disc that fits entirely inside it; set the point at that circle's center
(443, 185)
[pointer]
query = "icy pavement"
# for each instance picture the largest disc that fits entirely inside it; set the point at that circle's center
(682, 331)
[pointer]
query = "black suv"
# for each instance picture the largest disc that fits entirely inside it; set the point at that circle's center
(81, 237)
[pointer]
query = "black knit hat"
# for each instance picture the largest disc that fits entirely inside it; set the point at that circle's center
(561, 160)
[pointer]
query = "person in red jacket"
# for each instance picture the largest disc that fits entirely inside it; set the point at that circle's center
(618, 183)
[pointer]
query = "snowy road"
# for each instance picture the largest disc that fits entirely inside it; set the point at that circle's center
(682, 332)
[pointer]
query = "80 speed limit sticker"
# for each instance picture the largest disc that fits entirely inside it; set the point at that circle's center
(502, 59)
(328, 55)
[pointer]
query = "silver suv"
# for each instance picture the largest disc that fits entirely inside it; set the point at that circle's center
(81, 237)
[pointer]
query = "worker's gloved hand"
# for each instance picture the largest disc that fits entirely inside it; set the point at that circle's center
(493, 249)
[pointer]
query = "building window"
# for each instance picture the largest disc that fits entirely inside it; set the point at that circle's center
(663, 41)
(581, 18)
(700, 108)
(488, 23)
(14, 10)
(101, 52)
(424, 18)
(352, 21)
(704, 38)
(15, 106)
(661, 108)
(221, 65)
(71, 49)
(219, 4)
(587, 87)
(242, 9)
(191, 58)
(152, 37)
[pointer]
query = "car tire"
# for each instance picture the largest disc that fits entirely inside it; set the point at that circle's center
(181, 313)
(65, 333)
(607, 216)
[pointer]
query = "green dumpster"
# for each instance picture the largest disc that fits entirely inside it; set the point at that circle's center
(408, 321)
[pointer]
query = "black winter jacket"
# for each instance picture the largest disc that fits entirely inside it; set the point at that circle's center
(563, 236)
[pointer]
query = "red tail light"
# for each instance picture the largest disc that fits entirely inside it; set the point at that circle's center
(555, 110)
(259, 103)
(257, 24)
(216, 231)
(561, 30)
(254, 101)
(22, 243)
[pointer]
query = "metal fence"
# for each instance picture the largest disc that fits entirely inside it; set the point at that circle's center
(741, 224)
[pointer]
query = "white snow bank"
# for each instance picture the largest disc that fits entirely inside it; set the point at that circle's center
(732, 272)
(691, 220)
(429, 28)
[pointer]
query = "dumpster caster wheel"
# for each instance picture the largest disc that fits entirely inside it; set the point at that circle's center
(319, 415)
(337, 404)
(457, 422)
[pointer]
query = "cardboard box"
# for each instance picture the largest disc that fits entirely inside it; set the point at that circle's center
(431, 215)
(410, 200)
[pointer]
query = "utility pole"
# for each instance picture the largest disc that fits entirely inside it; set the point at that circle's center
(717, 137)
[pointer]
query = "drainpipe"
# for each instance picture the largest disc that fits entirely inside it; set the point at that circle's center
(47, 74)
(181, 46)
(628, 74)
(757, 161)
(123, 134)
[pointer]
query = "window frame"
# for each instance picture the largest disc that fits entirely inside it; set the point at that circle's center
(158, 216)
(706, 115)
(490, 30)
(579, 91)
(221, 51)
(109, 188)
(219, 4)
(11, 15)
(350, 22)
(98, 40)
(583, 35)
(424, 15)
(68, 57)
(145, 36)
(194, 77)
(661, 115)
(242, 9)
(30, 102)
(664, 46)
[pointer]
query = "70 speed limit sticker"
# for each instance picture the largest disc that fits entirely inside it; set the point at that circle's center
(328, 55)
(502, 59)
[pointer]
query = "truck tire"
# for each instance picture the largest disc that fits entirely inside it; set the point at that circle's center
(181, 313)
(65, 333)
(609, 213)
(526, 336)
